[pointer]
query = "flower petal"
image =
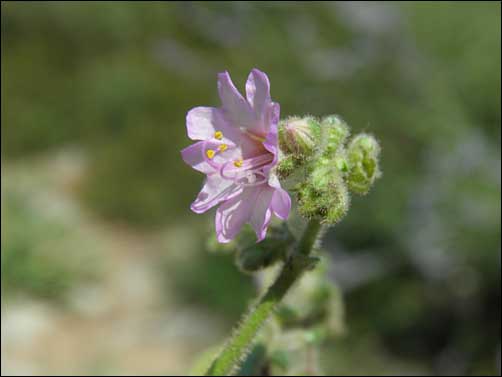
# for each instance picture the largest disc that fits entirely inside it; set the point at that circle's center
(258, 93)
(196, 155)
(193, 155)
(203, 122)
(214, 191)
(271, 140)
(274, 113)
(262, 214)
(281, 201)
(252, 206)
(237, 110)
(232, 215)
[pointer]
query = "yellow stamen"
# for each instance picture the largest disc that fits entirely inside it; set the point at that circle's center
(238, 163)
(218, 135)
(210, 153)
(222, 147)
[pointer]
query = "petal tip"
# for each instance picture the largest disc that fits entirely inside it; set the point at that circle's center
(223, 75)
(261, 74)
(196, 210)
(260, 237)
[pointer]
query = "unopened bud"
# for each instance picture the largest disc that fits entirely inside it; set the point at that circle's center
(334, 133)
(341, 163)
(339, 203)
(286, 166)
(363, 153)
(299, 136)
(324, 197)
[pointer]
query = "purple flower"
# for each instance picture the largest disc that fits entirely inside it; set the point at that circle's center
(237, 149)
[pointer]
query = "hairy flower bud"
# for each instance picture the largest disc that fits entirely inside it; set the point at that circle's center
(324, 197)
(341, 163)
(286, 166)
(339, 203)
(334, 133)
(299, 136)
(299, 139)
(363, 153)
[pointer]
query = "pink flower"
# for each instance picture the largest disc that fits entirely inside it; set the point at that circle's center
(237, 150)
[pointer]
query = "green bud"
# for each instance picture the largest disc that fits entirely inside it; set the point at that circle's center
(324, 196)
(286, 166)
(299, 136)
(322, 175)
(308, 201)
(339, 202)
(341, 163)
(334, 133)
(363, 153)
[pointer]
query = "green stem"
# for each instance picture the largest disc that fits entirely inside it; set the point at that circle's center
(240, 343)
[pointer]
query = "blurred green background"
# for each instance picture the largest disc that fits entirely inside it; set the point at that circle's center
(104, 268)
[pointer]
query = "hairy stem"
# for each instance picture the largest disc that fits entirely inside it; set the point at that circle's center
(240, 343)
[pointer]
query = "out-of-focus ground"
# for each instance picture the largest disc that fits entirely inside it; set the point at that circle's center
(116, 325)
(105, 270)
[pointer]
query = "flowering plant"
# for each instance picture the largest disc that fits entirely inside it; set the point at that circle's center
(249, 156)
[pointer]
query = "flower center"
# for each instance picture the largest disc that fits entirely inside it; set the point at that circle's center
(244, 172)
(247, 172)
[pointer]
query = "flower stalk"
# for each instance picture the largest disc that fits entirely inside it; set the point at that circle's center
(234, 352)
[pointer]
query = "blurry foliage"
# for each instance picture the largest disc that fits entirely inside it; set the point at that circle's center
(38, 252)
(211, 280)
(118, 78)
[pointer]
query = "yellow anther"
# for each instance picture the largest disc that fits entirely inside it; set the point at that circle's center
(218, 135)
(222, 147)
(210, 153)
(238, 163)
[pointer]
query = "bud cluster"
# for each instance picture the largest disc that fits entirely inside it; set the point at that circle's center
(331, 165)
